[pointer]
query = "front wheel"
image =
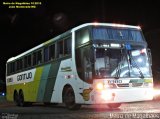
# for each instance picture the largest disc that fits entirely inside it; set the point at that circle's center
(114, 105)
(69, 100)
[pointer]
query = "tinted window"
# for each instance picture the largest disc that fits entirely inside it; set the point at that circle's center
(46, 54)
(60, 49)
(52, 52)
(67, 46)
(117, 34)
(82, 36)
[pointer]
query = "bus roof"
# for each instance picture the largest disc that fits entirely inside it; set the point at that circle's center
(106, 24)
(69, 31)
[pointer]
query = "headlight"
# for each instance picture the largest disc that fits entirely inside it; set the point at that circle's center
(99, 86)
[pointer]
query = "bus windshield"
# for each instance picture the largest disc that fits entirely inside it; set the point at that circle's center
(120, 63)
(105, 33)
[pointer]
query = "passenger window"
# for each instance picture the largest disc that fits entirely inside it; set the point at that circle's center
(39, 57)
(67, 46)
(46, 54)
(60, 49)
(34, 58)
(52, 52)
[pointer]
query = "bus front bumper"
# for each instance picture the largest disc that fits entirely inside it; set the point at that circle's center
(123, 95)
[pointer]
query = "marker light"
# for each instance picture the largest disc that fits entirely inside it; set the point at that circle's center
(95, 23)
(99, 86)
(139, 27)
(115, 45)
(143, 51)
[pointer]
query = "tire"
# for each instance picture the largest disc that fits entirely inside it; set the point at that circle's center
(114, 105)
(69, 99)
(16, 98)
(21, 99)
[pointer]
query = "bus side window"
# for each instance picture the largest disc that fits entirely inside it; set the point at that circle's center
(67, 46)
(46, 54)
(60, 49)
(25, 62)
(10, 68)
(29, 61)
(39, 57)
(52, 52)
(34, 58)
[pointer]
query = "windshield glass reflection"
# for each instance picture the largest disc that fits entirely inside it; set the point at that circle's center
(121, 63)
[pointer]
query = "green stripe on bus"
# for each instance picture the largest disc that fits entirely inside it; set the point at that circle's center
(36, 83)
(51, 81)
(43, 81)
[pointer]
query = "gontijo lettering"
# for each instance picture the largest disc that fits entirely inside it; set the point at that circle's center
(24, 76)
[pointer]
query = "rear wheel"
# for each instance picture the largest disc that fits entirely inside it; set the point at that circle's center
(16, 98)
(69, 99)
(114, 105)
(22, 103)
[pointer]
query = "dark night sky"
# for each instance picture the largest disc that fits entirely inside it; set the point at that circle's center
(22, 29)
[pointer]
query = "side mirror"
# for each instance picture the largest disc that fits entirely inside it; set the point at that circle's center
(149, 56)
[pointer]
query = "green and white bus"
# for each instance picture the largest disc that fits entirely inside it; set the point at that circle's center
(94, 63)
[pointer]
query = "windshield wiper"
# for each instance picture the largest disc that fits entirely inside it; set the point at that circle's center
(118, 70)
(135, 64)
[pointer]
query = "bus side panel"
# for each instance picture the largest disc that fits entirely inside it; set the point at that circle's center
(66, 76)
(31, 91)
(43, 83)
(51, 81)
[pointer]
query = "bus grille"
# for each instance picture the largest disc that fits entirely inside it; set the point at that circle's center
(132, 85)
(123, 85)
